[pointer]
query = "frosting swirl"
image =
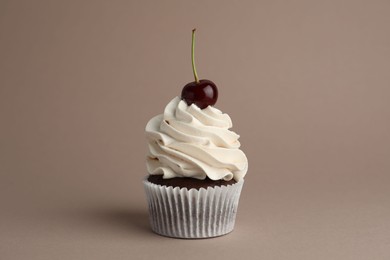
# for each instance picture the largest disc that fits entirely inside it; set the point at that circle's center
(187, 141)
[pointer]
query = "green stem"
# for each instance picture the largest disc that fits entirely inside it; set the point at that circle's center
(193, 56)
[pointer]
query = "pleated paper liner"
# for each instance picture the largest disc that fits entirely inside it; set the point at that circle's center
(182, 213)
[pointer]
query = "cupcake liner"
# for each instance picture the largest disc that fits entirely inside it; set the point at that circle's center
(182, 213)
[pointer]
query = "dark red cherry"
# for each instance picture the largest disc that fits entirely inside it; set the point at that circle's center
(203, 93)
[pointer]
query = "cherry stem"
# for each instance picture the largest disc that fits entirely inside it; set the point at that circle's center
(193, 56)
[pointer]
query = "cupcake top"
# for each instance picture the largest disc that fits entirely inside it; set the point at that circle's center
(186, 141)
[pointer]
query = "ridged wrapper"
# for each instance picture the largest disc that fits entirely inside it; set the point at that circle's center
(192, 213)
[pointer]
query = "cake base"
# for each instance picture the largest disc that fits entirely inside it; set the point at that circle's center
(189, 183)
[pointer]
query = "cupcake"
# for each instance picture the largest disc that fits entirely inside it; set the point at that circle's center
(196, 169)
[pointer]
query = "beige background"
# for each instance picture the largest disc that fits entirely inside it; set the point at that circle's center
(306, 83)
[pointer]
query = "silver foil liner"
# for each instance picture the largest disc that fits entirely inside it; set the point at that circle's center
(182, 213)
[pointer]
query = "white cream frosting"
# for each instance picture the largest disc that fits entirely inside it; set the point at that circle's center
(187, 141)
